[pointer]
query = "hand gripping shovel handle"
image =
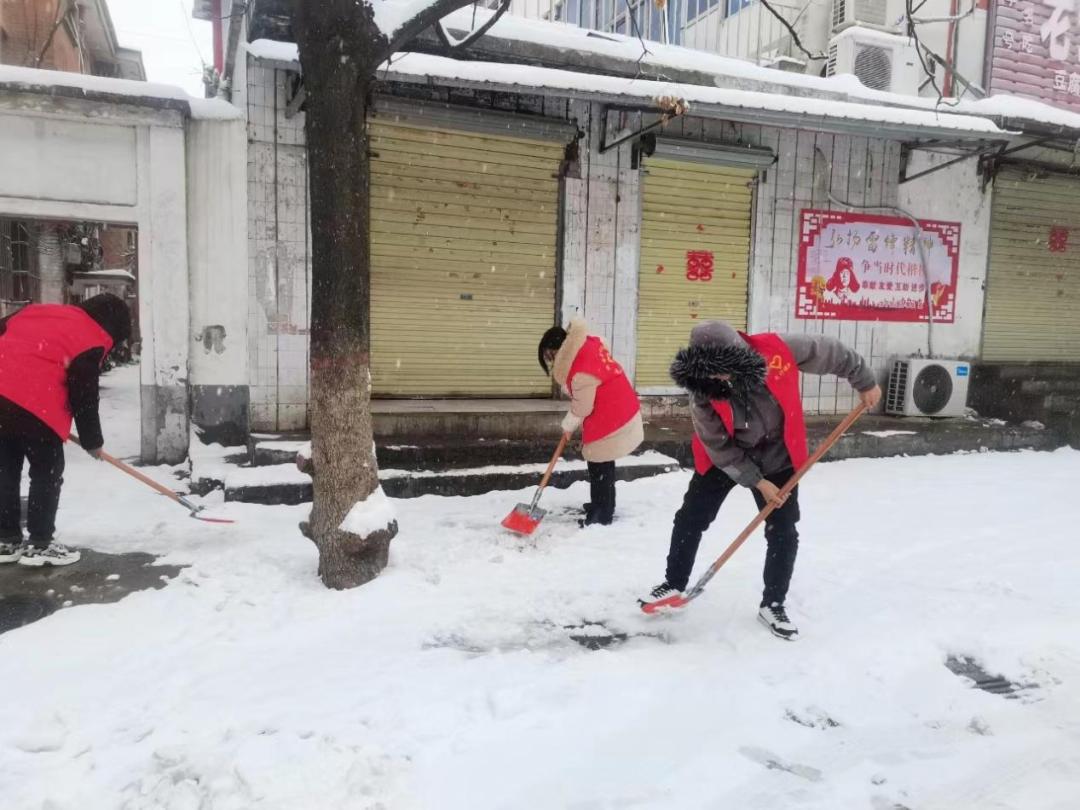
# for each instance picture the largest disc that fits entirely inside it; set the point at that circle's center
(150, 482)
(815, 457)
(550, 467)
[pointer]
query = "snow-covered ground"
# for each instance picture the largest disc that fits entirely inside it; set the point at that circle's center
(450, 683)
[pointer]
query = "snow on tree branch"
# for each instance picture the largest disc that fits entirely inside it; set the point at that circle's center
(401, 20)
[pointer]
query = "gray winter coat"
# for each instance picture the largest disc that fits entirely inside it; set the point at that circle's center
(757, 449)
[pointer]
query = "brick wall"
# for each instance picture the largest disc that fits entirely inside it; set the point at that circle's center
(25, 27)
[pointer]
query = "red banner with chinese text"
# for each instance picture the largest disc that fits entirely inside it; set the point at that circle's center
(860, 267)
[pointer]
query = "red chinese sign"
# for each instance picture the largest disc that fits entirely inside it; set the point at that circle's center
(1036, 50)
(858, 267)
(1059, 239)
(699, 265)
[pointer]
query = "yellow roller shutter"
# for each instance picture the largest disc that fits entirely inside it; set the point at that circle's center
(694, 215)
(1033, 289)
(463, 257)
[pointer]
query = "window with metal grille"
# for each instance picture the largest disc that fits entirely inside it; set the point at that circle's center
(24, 284)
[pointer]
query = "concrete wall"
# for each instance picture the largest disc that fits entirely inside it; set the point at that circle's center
(79, 160)
(954, 193)
(217, 260)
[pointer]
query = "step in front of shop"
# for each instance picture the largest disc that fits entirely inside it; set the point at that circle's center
(429, 454)
(286, 484)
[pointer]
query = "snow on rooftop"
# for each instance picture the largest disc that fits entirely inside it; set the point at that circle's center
(21, 78)
(273, 51)
(1018, 107)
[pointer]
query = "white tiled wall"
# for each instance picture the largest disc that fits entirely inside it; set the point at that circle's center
(279, 272)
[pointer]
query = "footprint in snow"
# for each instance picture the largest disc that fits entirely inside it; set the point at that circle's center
(775, 763)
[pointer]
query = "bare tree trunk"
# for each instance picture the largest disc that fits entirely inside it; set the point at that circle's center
(339, 50)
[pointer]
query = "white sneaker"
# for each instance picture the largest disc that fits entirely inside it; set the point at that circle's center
(53, 554)
(10, 552)
(662, 599)
(776, 619)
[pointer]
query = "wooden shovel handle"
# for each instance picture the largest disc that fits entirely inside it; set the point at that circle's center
(551, 464)
(127, 468)
(814, 458)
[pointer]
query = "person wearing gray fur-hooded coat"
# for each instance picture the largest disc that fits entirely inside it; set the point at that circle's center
(746, 410)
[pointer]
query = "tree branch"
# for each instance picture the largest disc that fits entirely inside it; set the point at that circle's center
(427, 18)
(794, 36)
(451, 44)
(62, 10)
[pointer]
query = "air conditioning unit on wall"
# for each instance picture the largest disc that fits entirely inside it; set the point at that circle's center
(922, 387)
(846, 13)
(880, 61)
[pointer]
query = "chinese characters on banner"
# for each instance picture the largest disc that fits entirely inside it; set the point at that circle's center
(859, 267)
(1036, 50)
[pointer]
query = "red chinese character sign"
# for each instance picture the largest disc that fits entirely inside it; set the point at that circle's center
(1036, 50)
(858, 267)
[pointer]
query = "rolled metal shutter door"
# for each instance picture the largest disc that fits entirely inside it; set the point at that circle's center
(1033, 287)
(463, 257)
(695, 217)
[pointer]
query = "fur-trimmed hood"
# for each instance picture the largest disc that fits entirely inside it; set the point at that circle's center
(716, 348)
(576, 334)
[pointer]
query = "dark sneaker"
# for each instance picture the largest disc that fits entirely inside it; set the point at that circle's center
(11, 551)
(52, 554)
(776, 619)
(662, 599)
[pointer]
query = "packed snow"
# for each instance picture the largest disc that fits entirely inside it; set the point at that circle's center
(450, 682)
(33, 79)
(370, 515)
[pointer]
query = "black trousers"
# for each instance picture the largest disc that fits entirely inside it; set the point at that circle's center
(700, 506)
(23, 437)
(601, 492)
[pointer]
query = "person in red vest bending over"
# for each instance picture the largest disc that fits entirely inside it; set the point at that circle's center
(50, 359)
(602, 403)
(749, 430)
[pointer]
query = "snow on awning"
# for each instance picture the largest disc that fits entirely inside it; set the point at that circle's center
(773, 109)
(895, 123)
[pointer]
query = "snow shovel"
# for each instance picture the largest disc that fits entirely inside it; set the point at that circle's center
(675, 602)
(527, 516)
(150, 482)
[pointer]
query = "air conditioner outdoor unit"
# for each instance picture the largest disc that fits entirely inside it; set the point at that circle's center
(922, 387)
(846, 13)
(880, 61)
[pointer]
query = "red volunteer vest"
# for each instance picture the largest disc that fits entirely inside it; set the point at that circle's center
(782, 381)
(616, 403)
(40, 342)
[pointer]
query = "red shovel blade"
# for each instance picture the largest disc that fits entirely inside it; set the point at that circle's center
(212, 520)
(523, 520)
(671, 603)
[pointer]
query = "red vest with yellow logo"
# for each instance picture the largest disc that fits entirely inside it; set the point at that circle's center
(616, 403)
(782, 381)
